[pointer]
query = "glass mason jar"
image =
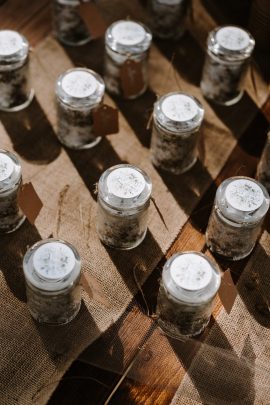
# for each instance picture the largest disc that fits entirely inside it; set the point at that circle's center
(11, 217)
(177, 119)
(229, 49)
(125, 40)
(52, 270)
(15, 89)
(263, 170)
(124, 193)
(78, 92)
(234, 226)
(168, 18)
(68, 25)
(189, 284)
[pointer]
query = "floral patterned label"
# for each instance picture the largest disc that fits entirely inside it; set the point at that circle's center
(125, 183)
(179, 107)
(79, 83)
(244, 195)
(10, 42)
(6, 167)
(128, 33)
(191, 272)
(232, 38)
(53, 261)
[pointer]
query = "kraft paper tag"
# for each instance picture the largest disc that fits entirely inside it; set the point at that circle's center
(29, 202)
(105, 120)
(92, 19)
(131, 76)
(94, 290)
(227, 291)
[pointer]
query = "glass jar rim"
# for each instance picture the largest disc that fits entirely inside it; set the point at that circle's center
(217, 47)
(34, 279)
(195, 297)
(15, 176)
(118, 202)
(235, 214)
(125, 49)
(193, 121)
(93, 98)
(20, 53)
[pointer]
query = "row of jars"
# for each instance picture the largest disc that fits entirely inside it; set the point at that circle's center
(190, 280)
(127, 44)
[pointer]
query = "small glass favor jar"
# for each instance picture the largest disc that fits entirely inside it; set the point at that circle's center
(125, 40)
(234, 226)
(52, 270)
(190, 281)
(11, 217)
(78, 92)
(263, 170)
(124, 193)
(168, 17)
(228, 56)
(176, 122)
(15, 89)
(68, 24)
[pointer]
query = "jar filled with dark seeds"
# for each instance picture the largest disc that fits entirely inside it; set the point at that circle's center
(189, 284)
(234, 226)
(229, 49)
(11, 217)
(69, 27)
(177, 119)
(125, 40)
(168, 17)
(78, 92)
(52, 270)
(124, 193)
(15, 88)
(263, 170)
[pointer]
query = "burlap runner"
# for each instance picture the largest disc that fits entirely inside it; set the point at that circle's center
(33, 357)
(233, 365)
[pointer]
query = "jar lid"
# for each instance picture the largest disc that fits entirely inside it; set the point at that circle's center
(178, 112)
(125, 187)
(10, 170)
(52, 265)
(80, 87)
(126, 37)
(14, 47)
(242, 199)
(231, 43)
(191, 277)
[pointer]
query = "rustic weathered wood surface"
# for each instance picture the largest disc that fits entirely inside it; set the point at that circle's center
(125, 365)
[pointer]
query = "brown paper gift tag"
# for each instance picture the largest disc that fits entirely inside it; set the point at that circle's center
(94, 290)
(105, 120)
(92, 19)
(29, 202)
(131, 76)
(227, 291)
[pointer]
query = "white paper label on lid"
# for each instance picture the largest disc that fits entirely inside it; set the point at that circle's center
(191, 272)
(244, 195)
(179, 107)
(79, 83)
(125, 183)
(53, 261)
(128, 33)
(232, 38)
(6, 167)
(11, 42)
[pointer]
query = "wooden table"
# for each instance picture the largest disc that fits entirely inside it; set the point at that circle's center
(122, 367)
